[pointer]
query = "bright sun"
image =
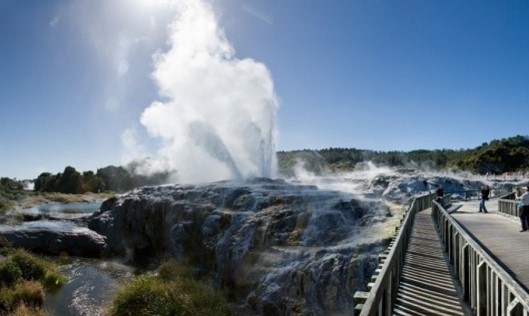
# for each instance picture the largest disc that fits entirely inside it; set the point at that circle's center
(152, 3)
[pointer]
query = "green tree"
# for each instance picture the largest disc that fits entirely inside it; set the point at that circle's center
(70, 181)
(45, 182)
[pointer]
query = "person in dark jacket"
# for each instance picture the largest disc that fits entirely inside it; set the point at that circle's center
(485, 192)
(439, 192)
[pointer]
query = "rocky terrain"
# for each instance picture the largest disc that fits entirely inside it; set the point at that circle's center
(279, 248)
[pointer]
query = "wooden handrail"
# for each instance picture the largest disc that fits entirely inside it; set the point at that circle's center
(508, 205)
(489, 289)
(382, 296)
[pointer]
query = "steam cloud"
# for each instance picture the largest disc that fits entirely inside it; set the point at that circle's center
(216, 120)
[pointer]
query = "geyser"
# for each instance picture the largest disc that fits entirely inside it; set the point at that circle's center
(217, 117)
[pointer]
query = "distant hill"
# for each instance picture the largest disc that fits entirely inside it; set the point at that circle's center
(497, 157)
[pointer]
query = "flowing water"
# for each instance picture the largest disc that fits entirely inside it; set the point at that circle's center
(64, 210)
(91, 282)
(90, 287)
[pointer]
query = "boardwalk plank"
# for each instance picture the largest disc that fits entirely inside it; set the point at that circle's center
(426, 286)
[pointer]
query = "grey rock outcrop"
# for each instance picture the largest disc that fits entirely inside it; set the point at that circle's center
(56, 238)
(281, 249)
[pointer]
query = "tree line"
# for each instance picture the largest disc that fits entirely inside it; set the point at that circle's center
(110, 178)
(497, 157)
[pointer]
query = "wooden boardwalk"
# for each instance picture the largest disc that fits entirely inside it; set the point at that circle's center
(426, 286)
(499, 235)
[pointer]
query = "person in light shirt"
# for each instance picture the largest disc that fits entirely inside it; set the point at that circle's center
(524, 211)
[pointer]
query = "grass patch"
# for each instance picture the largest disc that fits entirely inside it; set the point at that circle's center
(174, 291)
(75, 198)
(24, 310)
(37, 269)
(24, 280)
(32, 199)
(30, 294)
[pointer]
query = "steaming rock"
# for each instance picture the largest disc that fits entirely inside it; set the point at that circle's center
(279, 248)
(402, 189)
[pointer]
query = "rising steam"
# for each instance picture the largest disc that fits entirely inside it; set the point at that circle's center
(216, 120)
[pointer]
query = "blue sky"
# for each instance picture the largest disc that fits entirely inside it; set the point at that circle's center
(383, 75)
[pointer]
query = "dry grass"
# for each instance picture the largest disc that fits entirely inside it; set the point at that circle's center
(29, 293)
(73, 198)
(44, 198)
(24, 310)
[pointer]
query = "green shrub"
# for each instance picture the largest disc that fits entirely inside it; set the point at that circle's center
(10, 273)
(53, 280)
(171, 270)
(6, 299)
(144, 296)
(23, 281)
(5, 246)
(173, 292)
(32, 267)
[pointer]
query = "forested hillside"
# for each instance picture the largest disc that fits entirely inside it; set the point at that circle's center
(497, 157)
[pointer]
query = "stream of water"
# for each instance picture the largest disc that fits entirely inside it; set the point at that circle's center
(64, 211)
(90, 287)
(91, 282)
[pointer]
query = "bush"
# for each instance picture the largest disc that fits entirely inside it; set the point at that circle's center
(144, 296)
(6, 299)
(173, 292)
(53, 280)
(37, 269)
(32, 267)
(5, 246)
(10, 273)
(171, 270)
(23, 280)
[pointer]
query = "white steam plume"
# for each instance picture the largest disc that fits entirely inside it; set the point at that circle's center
(217, 117)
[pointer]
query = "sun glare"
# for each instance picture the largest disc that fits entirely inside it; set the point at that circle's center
(152, 3)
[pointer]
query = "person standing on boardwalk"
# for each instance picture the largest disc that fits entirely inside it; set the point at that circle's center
(439, 194)
(485, 191)
(524, 211)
